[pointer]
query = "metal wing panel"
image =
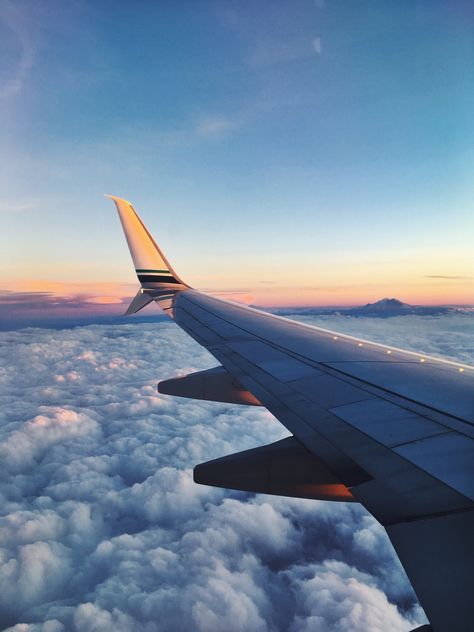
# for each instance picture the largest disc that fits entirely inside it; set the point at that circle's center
(387, 423)
(448, 457)
(444, 386)
(321, 407)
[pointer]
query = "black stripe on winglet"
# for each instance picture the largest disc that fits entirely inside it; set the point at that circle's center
(156, 278)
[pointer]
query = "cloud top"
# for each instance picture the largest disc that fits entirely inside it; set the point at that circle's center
(103, 528)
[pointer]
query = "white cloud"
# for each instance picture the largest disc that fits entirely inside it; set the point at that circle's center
(26, 445)
(7, 206)
(269, 53)
(317, 45)
(214, 126)
(338, 597)
(103, 528)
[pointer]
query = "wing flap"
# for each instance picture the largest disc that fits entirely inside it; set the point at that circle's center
(284, 468)
(216, 385)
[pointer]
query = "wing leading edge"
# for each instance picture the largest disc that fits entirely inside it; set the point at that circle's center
(390, 429)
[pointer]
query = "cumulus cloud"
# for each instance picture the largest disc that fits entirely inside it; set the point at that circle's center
(338, 597)
(102, 527)
(26, 446)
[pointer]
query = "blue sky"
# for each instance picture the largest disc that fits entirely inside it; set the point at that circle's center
(305, 152)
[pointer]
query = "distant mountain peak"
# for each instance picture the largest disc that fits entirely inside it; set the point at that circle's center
(387, 303)
(385, 308)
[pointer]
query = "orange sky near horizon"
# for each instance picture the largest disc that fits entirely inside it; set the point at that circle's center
(336, 279)
(453, 290)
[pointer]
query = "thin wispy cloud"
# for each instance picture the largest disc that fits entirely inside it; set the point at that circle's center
(317, 45)
(214, 126)
(48, 300)
(13, 21)
(238, 296)
(17, 206)
(135, 140)
(273, 53)
(62, 288)
(454, 277)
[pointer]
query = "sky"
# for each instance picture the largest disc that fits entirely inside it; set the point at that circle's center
(300, 153)
(290, 153)
(102, 527)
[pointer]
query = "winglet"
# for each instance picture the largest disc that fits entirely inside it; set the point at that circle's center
(151, 266)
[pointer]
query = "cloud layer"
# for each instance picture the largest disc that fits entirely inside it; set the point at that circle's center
(102, 527)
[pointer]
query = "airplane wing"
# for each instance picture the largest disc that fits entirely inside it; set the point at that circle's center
(391, 429)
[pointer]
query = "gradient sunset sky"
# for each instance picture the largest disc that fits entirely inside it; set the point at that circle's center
(288, 153)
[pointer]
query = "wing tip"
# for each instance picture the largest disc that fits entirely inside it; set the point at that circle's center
(115, 198)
